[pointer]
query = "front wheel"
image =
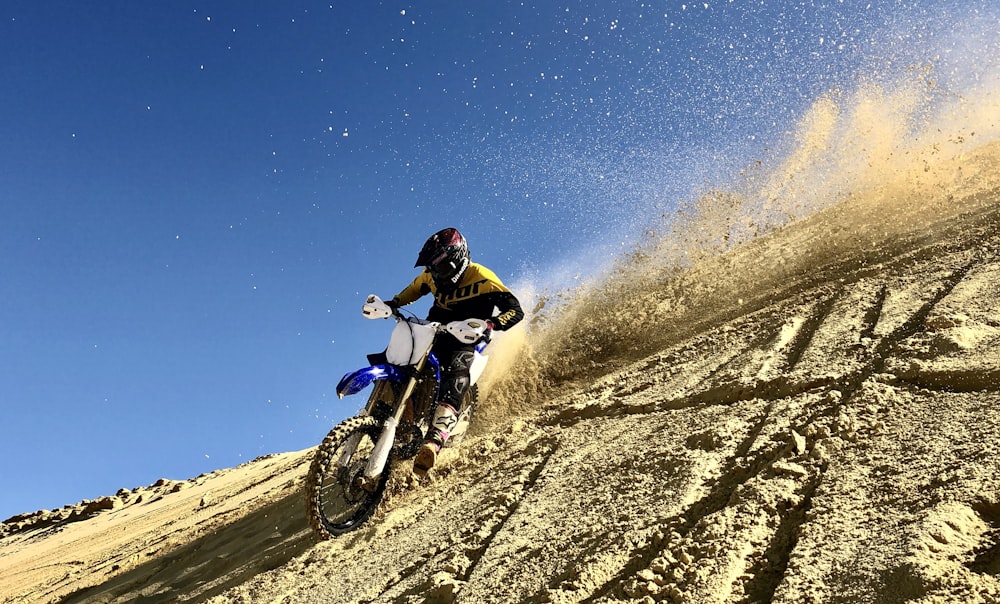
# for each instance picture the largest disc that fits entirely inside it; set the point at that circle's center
(338, 497)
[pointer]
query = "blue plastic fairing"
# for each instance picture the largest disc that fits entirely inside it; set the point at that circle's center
(355, 382)
(436, 365)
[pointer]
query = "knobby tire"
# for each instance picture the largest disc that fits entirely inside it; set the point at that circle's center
(333, 505)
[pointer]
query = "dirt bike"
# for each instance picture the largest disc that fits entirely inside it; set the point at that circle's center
(348, 475)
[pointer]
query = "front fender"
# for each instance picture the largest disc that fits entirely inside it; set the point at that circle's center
(356, 381)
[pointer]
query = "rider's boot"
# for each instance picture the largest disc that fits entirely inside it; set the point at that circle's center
(445, 418)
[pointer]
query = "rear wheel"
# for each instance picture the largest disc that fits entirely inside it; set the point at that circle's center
(338, 497)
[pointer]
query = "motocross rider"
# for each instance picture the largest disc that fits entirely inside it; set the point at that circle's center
(462, 290)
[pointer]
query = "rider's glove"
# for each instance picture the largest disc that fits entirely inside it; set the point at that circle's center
(488, 334)
(392, 304)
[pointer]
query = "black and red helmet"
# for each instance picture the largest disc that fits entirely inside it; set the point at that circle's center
(446, 256)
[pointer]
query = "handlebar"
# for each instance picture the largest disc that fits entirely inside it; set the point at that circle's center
(468, 331)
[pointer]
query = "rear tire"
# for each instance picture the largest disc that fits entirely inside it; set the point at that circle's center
(336, 502)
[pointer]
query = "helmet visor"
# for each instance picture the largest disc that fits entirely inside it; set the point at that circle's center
(442, 266)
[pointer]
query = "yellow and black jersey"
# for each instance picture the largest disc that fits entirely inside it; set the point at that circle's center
(479, 295)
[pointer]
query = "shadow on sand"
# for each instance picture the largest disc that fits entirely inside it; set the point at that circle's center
(215, 562)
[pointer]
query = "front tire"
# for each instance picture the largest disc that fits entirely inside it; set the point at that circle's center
(337, 498)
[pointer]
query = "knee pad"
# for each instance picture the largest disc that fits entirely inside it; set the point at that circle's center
(455, 379)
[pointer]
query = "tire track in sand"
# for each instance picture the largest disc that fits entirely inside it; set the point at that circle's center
(713, 528)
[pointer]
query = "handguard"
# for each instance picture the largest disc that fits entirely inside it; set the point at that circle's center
(375, 308)
(469, 331)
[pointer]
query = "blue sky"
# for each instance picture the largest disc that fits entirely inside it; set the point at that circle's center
(196, 196)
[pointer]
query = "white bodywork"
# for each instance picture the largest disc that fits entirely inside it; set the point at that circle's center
(412, 338)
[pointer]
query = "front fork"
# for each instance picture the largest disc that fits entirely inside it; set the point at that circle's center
(379, 456)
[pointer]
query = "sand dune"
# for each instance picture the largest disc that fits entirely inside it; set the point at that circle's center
(807, 415)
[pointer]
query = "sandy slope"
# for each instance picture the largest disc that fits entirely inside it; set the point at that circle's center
(158, 538)
(838, 445)
(817, 422)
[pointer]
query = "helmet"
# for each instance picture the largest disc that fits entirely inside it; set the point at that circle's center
(446, 256)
